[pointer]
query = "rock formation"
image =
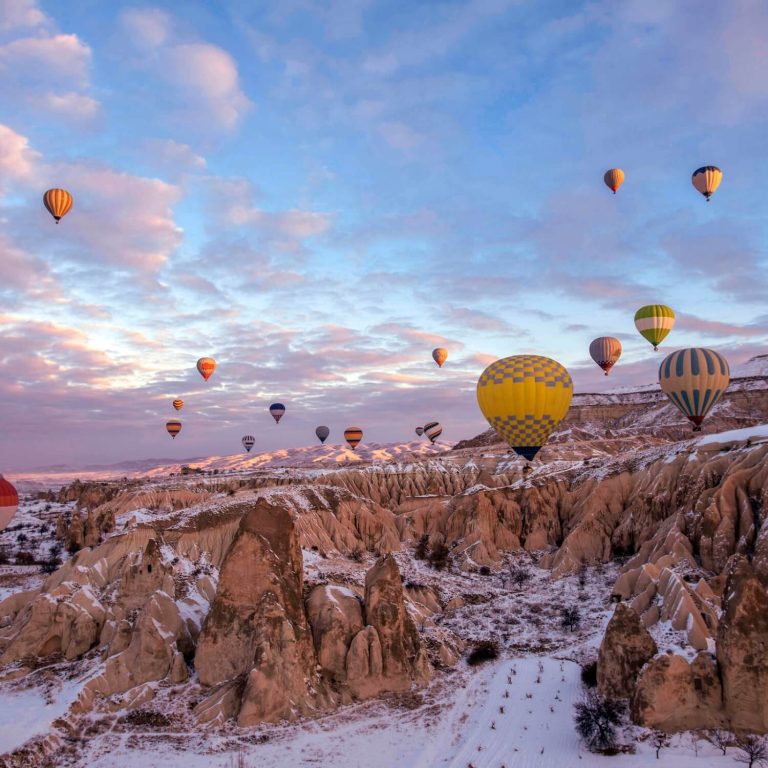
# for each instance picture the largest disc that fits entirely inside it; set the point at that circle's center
(625, 649)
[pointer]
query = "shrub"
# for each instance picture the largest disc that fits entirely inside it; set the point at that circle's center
(25, 558)
(484, 650)
(519, 576)
(596, 721)
(485, 570)
(438, 556)
(422, 547)
(357, 555)
(150, 717)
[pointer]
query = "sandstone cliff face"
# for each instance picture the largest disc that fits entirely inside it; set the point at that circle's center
(625, 649)
(673, 695)
(742, 649)
(257, 626)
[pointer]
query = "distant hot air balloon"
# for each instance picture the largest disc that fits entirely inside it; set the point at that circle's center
(433, 430)
(694, 379)
(178, 403)
(277, 410)
(322, 433)
(440, 355)
(174, 427)
(524, 397)
(654, 322)
(613, 179)
(605, 351)
(353, 435)
(206, 366)
(248, 442)
(9, 502)
(58, 202)
(707, 179)
(419, 431)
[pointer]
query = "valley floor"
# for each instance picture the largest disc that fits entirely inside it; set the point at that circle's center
(461, 725)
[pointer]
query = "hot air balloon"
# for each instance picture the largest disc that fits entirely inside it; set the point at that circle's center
(206, 366)
(654, 323)
(524, 397)
(178, 403)
(248, 442)
(322, 433)
(419, 431)
(174, 427)
(9, 502)
(277, 410)
(613, 179)
(433, 430)
(440, 355)
(605, 351)
(707, 179)
(58, 202)
(353, 435)
(694, 379)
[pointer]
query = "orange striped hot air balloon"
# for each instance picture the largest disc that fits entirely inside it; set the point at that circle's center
(58, 202)
(206, 366)
(353, 435)
(440, 355)
(174, 427)
(9, 502)
(178, 403)
(613, 179)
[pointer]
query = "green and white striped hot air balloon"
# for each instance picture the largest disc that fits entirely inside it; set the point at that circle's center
(654, 322)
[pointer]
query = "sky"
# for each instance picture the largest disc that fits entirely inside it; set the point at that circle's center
(318, 192)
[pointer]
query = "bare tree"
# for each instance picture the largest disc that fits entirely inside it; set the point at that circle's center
(754, 750)
(596, 721)
(719, 738)
(659, 741)
(570, 618)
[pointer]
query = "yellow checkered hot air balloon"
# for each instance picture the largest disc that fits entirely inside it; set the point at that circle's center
(524, 398)
(654, 322)
(694, 379)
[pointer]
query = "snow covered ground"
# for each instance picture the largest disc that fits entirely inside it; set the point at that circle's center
(514, 713)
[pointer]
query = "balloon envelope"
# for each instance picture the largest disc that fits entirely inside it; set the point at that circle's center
(524, 398)
(58, 202)
(206, 366)
(707, 179)
(174, 427)
(9, 503)
(178, 403)
(605, 351)
(440, 355)
(353, 435)
(277, 410)
(654, 322)
(419, 431)
(694, 379)
(613, 179)
(322, 433)
(433, 430)
(248, 442)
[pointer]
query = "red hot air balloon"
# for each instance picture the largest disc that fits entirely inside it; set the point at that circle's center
(206, 366)
(605, 351)
(440, 355)
(9, 502)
